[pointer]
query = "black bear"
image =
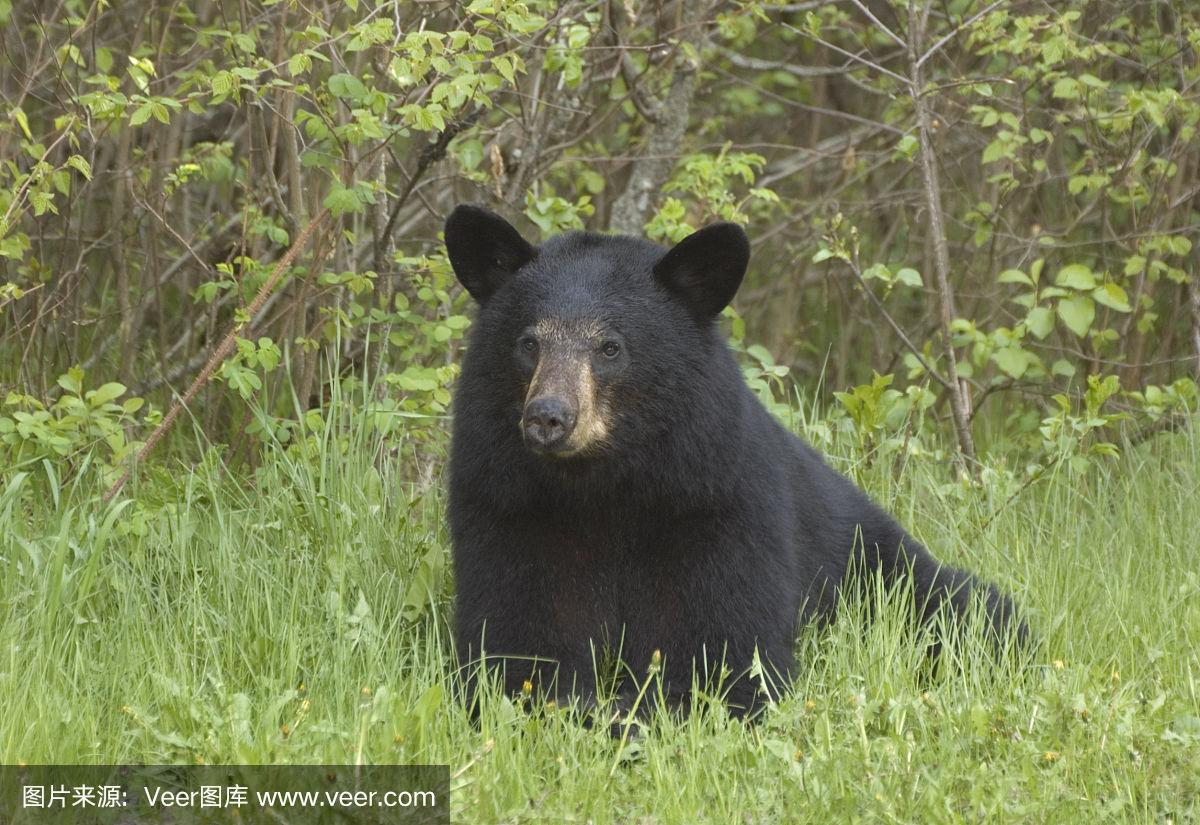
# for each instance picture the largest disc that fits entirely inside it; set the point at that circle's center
(615, 485)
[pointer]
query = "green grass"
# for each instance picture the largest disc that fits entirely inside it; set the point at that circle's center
(301, 616)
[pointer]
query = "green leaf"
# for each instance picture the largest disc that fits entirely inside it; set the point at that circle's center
(1014, 276)
(141, 114)
(1076, 276)
(61, 180)
(72, 380)
(347, 85)
(1113, 297)
(592, 181)
(906, 147)
(81, 165)
(1077, 313)
(505, 66)
(221, 83)
(578, 36)
(341, 200)
(244, 42)
(998, 149)
(1040, 321)
(761, 354)
(1013, 361)
(42, 203)
(470, 153)
(909, 277)
(18, 114)
(106, 393)
(1134, 264)
(1063, 368)
(1067, 88)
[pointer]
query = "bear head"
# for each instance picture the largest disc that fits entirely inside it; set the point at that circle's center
(591, 342)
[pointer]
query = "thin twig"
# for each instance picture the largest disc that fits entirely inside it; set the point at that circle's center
(936, 47)
(959, 406)
(759, 65)
(430, 154)
(895, 37)
(855, 57)
(895, 327)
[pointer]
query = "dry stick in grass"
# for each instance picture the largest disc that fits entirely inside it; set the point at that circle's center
(220, 354)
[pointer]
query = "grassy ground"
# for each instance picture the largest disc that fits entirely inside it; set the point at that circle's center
(303, 619)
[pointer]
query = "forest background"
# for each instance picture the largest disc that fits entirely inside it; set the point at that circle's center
(974, 286)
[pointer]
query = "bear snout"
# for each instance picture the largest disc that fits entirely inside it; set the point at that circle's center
(547, 423)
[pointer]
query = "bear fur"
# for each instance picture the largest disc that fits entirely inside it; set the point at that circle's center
(615, 486)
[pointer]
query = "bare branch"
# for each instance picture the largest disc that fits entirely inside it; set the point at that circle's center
(936, 47)
(754, 63)
(858, 58)
(920, 356)
(891, 34)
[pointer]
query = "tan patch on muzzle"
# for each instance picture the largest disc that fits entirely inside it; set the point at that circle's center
(566, 372)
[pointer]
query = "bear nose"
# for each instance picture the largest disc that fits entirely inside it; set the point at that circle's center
(548, 422)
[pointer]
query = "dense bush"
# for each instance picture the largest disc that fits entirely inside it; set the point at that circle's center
(975, 221)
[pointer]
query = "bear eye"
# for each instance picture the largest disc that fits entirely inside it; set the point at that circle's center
(529, 344)
(610, 349)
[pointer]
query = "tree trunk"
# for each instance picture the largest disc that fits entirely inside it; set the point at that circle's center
(660, 149)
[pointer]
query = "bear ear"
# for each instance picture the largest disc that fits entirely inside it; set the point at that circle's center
(485, 250)
(706, 268)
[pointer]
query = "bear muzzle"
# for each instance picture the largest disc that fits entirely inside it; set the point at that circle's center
(547, 424)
